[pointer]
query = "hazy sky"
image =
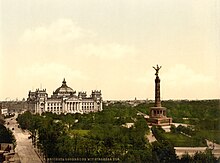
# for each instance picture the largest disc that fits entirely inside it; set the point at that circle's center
(111, 46)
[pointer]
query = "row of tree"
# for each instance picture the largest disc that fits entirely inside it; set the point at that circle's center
(105, 136)
(197, 110)
(163, 148)
(6, 136)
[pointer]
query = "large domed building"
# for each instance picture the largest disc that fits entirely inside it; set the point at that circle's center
(64, 90)
(64, 100)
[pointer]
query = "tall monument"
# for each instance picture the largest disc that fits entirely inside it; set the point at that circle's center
(158, 115)
(157, 87)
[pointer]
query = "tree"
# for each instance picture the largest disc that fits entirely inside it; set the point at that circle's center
(173, 129)
(25, 120)
(163, 152)
(6, 136)
(205, 157)
(186, 158)
(49, 134)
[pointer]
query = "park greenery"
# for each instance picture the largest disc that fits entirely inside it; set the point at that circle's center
(94, 135)
(186, 111)
(104, 135)
(185, 137)
(203, 115)
(6, 135)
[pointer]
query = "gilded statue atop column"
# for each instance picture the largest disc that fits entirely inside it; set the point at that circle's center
(157, 69)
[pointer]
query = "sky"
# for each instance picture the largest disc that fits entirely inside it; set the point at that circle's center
(110, 46)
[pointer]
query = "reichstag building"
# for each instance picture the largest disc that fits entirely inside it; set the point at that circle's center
(64, 100)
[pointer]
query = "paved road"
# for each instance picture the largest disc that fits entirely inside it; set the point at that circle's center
(190, 150)
(24, 147)
(215, 148)
(151, 137)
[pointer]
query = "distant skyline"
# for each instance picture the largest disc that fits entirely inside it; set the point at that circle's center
(111, 46)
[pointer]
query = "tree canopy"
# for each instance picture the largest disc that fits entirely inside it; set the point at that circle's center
(103, 134)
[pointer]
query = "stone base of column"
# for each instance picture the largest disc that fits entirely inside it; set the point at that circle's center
(165, 121)
(158, 117)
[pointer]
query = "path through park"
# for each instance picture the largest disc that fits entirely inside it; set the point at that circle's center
(24, 147)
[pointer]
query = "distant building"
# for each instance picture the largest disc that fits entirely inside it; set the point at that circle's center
(64, 100)
(13, 106)
(4, 111)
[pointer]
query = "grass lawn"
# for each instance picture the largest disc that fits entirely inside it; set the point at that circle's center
(211, 135)
(180, 140)
(190, 121)
(80, 132)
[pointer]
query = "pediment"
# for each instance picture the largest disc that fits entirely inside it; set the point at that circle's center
(73, 98)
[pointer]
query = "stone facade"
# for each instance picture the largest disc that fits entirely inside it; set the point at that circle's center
(4, 111)
(64, 100)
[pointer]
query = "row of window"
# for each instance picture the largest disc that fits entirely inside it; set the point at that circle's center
(86, 107)
(88, 103)
(51, 110)
(52, 104)
(158, 112)
(83, 107)
(60, 111)
(83, 103)
(55, 104)
(54, 107)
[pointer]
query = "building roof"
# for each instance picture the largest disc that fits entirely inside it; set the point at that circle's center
(64, 89)
(54, 99)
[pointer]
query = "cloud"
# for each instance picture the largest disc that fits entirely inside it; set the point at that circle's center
(50, 75)
(182, 75)
(68, 37)
(106, 51)
(62, 30)
(181, 81)
(53, 70)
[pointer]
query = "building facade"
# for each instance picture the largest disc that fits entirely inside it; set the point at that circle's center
(4, 111)
(64, 100)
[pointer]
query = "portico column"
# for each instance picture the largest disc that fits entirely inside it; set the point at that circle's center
(63, 107)
(80, 106)
(67, 106)
(35, 108)
(73, 106)
(77, 106)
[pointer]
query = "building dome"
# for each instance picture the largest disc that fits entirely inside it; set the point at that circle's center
(64, 90)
